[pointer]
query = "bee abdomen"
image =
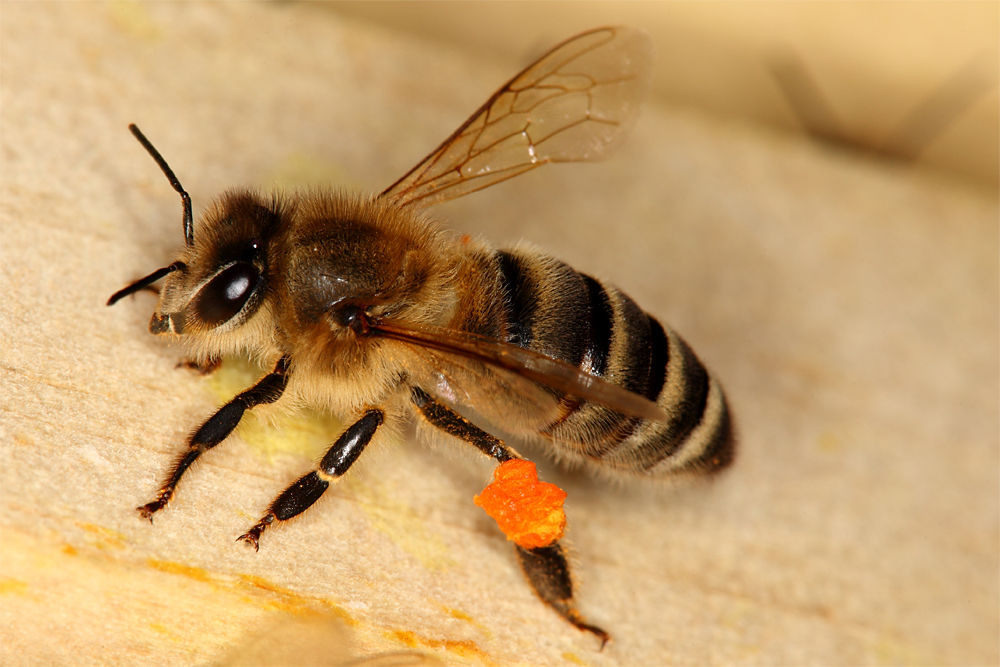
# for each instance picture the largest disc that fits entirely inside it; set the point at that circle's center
(555, 310)
(697, 436)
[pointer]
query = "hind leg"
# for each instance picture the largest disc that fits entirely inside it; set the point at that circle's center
(545, 567)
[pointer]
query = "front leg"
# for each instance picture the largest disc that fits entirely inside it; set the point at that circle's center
(307, 490)
(523, 508)
(217, 428)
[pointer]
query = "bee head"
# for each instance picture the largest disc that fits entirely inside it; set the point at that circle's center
(219, 282)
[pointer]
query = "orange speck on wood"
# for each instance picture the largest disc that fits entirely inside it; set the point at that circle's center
(528, 511)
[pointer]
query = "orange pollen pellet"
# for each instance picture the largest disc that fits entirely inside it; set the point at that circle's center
(528, 511)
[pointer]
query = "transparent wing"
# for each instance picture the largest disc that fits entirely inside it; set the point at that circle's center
(523, 363)
(573, 104)
(487, 394)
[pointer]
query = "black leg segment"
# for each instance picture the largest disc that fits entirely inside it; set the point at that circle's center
(217, 428)
(548, 572)
(308, 489)
(456, 425)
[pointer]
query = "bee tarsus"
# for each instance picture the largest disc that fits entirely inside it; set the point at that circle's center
(547, 570)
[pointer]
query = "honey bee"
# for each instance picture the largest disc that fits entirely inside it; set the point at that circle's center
(366, 308)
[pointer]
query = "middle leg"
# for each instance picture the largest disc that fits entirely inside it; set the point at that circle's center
(301, 495)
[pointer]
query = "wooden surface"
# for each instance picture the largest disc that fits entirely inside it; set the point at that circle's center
(849, 305)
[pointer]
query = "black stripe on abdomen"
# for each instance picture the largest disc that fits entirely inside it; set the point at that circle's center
(689, 410)
(646, 370)
(519, 298)
(720, 449)
(659, 355)
(598, 325)
(601, 321)
(631, 360)
(597, 322)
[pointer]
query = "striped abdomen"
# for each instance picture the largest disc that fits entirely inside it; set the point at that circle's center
(555, 310)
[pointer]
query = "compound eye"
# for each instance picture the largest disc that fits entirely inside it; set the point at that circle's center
(226, 294)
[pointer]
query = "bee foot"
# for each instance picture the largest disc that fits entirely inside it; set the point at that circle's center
(252, 536)
(149, 509)
(206, 368)
(592, 629)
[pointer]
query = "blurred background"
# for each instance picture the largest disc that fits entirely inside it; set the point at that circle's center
(913, 81)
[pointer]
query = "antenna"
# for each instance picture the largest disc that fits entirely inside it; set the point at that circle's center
(169, 173)
(143, 283)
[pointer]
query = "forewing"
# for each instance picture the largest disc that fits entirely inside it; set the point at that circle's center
(496, 396)
(522, 362)
(573, 104)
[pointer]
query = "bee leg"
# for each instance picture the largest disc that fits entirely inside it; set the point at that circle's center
(206, 368)
(548, 572)
(545, 567)
(217, 428)
(458, 426)
(307, 490)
